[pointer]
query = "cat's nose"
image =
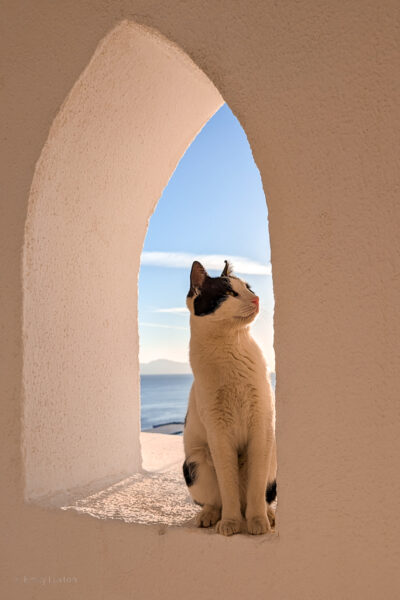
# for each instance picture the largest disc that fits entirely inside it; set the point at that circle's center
(255, 300)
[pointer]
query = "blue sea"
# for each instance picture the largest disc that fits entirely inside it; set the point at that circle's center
(164, 399)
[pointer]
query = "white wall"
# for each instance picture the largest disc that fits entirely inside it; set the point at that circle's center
(110, 152)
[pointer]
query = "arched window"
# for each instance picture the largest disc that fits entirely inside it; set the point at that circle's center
(110, 153)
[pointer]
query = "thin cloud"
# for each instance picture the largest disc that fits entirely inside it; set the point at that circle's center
(177, 310)
(164, 326)
(212, 262)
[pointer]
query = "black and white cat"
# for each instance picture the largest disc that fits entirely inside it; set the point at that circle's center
(229, 435)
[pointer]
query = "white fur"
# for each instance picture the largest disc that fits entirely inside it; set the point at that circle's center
(230, 426)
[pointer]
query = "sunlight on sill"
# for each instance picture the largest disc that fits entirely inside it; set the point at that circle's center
(157, 496)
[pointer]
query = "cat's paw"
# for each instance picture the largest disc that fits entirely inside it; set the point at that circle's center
(228, 526)
(258, 524)
(208, 516)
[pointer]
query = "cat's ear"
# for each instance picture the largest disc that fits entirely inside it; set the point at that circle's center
(227, 269)
(197, 275)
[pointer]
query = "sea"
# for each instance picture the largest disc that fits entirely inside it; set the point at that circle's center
(164, 400)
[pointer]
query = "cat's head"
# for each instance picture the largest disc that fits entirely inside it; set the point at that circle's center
(226, 298)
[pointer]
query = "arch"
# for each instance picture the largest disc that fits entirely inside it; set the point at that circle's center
(110, 152)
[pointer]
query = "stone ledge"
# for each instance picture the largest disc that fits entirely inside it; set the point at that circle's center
(156, 496)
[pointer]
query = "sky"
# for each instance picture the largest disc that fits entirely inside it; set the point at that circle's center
(212, 208)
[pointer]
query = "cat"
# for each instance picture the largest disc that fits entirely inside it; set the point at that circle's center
(229, 431)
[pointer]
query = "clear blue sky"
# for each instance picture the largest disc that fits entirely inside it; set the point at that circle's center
(214, 204)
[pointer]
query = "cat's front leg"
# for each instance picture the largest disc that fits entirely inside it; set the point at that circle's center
(259, 453)
(224, 456)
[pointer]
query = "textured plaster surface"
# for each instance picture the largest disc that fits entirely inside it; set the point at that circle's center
(110, 153)
(315, 87)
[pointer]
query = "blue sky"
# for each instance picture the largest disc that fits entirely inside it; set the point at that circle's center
(213, 207)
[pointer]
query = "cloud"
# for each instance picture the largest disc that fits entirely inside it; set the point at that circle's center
(177, 310)
(164, 326)
(212, 262)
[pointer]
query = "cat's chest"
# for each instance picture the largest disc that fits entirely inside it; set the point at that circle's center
(231, 386)
(237, 365)
(232, 405)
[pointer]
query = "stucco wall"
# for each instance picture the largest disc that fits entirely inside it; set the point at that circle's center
(315, 87)
(110, 152)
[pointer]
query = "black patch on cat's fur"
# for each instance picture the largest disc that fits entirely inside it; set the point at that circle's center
(212, 293)
(186, 418)
(189, 472)
(270, 494)
(198, 503)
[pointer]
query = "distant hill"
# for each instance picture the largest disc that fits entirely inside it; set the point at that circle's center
(163, 366)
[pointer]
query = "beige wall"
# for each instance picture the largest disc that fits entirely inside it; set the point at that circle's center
(109, 155)
(315, 87)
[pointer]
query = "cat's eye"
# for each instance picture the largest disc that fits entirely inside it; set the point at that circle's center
(249, 288)
(231, 293)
